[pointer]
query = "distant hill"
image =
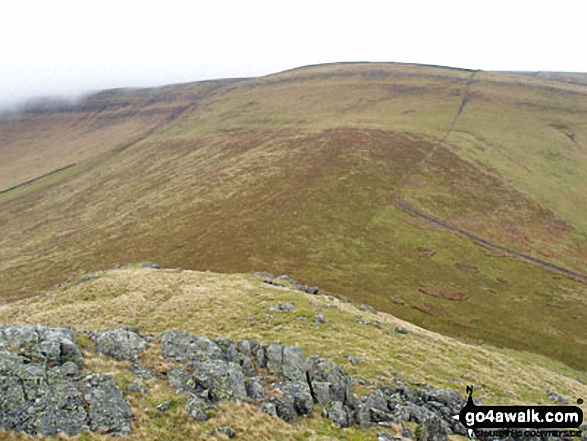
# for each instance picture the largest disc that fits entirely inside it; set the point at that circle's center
(578, 78)
(306, 172)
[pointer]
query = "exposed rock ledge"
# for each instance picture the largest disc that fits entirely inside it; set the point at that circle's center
(42, 390)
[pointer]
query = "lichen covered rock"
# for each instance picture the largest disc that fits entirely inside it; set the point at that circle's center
(42, 393)
(198, 408)
(122, 344)
(181, 346)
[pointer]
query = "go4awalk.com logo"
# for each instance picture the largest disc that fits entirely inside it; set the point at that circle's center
(518, 421)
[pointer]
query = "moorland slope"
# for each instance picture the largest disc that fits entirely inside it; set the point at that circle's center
(301, 173)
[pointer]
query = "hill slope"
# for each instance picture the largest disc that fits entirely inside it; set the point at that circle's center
(238, 306)
(44, 137)
(300, 172)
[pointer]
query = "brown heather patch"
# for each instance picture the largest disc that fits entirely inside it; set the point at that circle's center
(481, 201)
(430, 309)
(426, 252)
(444, 292)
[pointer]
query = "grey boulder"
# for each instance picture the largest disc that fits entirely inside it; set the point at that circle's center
(300, 392)
(338, 414)
(340, 386)
(225, 380)
(181, 346)
(198, 408)
(284, 407)
(254, 388)
(286, 361)
(108, 411)
(433, 429)
(122, 344)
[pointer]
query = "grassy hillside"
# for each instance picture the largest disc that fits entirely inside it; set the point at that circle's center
(297, 173)
(43, 137)
(237, 305)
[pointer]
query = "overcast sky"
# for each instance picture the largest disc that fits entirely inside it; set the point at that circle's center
(62, 47)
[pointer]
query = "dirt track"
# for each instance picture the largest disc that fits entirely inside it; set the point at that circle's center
(30, 181)
(525, 257)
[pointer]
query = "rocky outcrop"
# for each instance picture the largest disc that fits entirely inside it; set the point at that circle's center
(286, 361)
(42, 389)
(107, 409)
(286, 281)
(53, 345)
(432, 429)
(281, 406)
(42, 392)
(338, 414)
(331, 382)
(213, 371)
(222, 370)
